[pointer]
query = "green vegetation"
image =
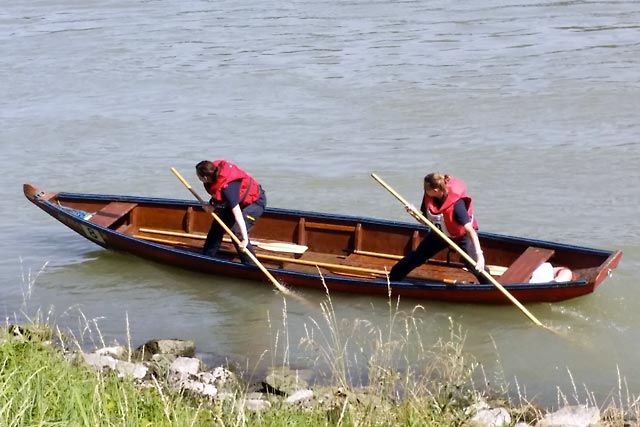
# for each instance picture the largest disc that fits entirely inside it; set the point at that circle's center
(39, 387)
(43, 384)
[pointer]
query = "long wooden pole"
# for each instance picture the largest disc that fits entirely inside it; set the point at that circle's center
(457, 248)
(234, 237)
(495, 270)
(270, 246)
(348, 270)
(327, 265)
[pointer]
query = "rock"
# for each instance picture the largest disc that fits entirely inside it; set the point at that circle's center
(160, 364)
(257, 405)
(496, 417)
(98, 361)
(572, 416)
(119, 352)
(299, 396)
(185, 366)
(200, 389)
(220, 377)
(129, 369)
(283, 381)
(184, 348)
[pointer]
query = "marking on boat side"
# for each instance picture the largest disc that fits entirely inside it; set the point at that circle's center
(93, 234)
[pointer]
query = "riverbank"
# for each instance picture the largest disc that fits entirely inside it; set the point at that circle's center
(46, 380)
(47, 377)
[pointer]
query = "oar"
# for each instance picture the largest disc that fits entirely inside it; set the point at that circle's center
(458, 249)
(234, 237)
(270, 246)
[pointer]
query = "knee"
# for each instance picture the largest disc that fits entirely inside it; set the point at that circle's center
(397, 273)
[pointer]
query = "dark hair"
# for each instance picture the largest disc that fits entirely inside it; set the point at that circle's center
(436, 181)
(207, 168)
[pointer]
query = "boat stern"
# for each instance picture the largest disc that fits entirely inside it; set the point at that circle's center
(607, 267)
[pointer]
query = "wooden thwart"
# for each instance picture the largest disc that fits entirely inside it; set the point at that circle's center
(521, 269)
(111, 213)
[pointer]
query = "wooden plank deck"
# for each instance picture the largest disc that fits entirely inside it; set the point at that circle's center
(521, 269)
(111, 213)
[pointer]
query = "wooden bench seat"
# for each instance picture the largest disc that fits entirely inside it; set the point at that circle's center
(521, 269)
(111, 213)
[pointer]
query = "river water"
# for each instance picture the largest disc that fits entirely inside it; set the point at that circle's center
(535, 104)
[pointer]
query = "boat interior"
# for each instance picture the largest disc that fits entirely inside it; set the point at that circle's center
(346, 247)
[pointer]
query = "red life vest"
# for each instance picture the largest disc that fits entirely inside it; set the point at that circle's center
(227, 172)
(442, 217)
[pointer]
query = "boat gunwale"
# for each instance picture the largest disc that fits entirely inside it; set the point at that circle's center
(50, 205)
(339, 217)
(406, 284)
(381, 283)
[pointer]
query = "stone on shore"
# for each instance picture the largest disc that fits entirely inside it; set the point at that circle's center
(284, 381)
(184, 348)
(572, 416)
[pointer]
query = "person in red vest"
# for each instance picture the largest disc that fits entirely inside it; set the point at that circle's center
(237, 198)
(448, 206)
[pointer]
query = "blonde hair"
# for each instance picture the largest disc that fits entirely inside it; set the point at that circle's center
(436, 181)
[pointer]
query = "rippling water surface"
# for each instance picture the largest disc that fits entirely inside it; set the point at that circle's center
(534, 104)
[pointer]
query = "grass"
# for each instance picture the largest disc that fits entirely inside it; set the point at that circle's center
(39, 387)
(376, 376)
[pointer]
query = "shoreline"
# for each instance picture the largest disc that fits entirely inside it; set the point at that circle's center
(169, 367)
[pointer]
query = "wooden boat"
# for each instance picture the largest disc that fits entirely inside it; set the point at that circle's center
(352, 254)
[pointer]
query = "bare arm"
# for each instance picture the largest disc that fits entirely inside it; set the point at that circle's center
(237, 214)
(476, 244)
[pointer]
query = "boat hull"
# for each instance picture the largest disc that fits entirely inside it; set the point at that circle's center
(124, 233)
